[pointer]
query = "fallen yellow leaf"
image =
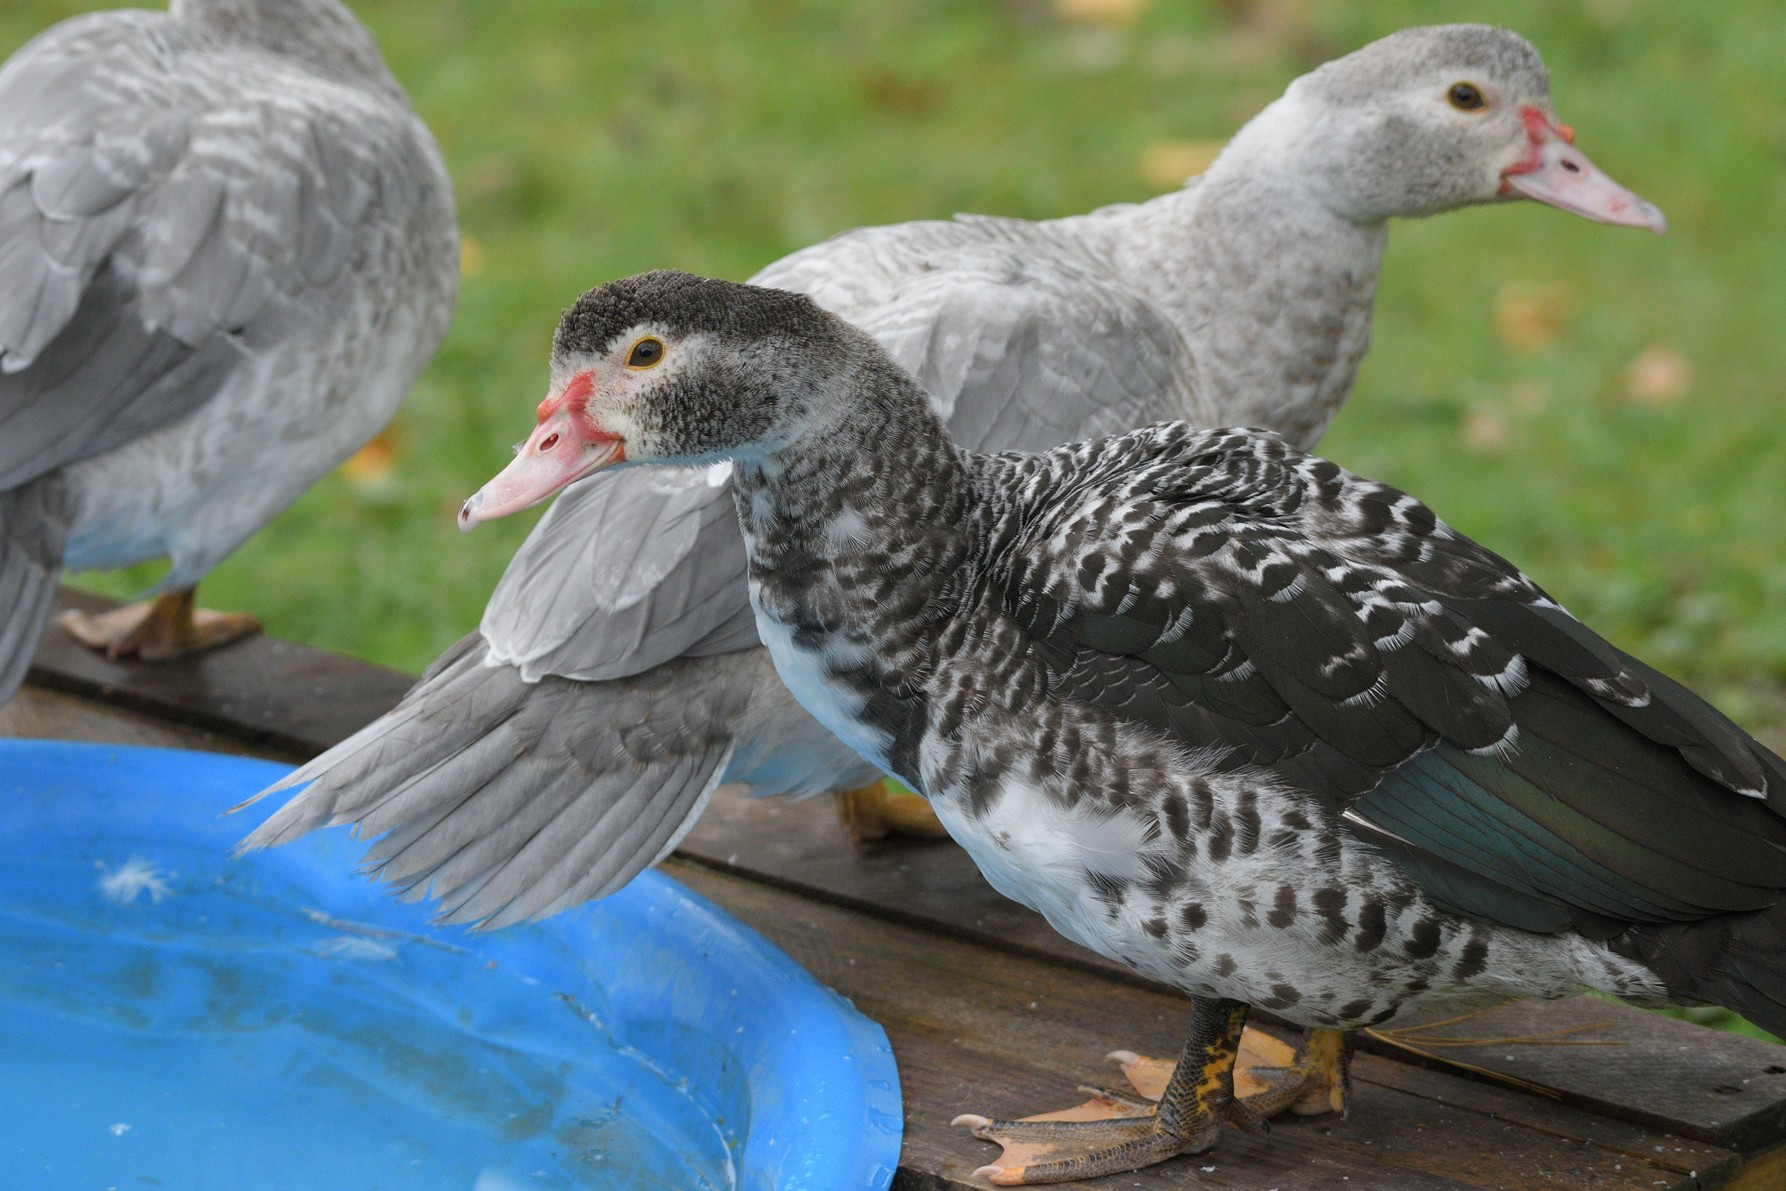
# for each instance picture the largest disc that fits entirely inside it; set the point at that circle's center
(1659, 376)
(1486, 430)
(472, 257)
(1529, 396)
(1609, 12)
(373, 464)
(1101, 12)
(1166, 164)
(488, 177)
(1532, 315)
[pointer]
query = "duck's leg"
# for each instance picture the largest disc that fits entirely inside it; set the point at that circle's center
(1196, 1102)
(876, 811)
(1315, 1079)
(171, 627)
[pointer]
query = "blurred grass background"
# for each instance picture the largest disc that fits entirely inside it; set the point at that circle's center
(1601, 406)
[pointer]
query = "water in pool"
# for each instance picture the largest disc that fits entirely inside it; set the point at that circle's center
(173, 1019)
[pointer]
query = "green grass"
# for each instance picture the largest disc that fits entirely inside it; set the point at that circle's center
(588, 141)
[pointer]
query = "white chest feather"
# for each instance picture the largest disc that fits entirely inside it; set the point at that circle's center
(1038, 851)
(809, 675)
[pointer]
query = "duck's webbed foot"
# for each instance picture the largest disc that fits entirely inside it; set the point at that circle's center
(1194, 1105)
(171, 627)
(875, 811)
(1269, 1077)
(1317, 1080)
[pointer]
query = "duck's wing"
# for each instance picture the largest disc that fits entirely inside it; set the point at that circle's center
(509, 800)
(1232, 592)
(624, 573)
(1020, 337)
(569, 744)
(165, 213)
(573, 740)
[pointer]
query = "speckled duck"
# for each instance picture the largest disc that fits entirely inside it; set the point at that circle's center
(1220, 710)
(617, 673)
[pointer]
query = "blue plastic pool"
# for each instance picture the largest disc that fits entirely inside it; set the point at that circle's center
(173, 1017)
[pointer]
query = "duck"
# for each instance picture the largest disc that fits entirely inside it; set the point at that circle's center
(227, 249)
(1220, 710)
(617, 677)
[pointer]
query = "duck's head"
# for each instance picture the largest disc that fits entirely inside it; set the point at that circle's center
(1436, 118)
(670, 368)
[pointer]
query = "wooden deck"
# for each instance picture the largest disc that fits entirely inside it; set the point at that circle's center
(989, 1011)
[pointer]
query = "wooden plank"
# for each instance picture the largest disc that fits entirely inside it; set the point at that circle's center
(1710, 1164)
(283, 699)
(1705, 1084)
(1391, 1140)
(48, 715)
(977, 1029)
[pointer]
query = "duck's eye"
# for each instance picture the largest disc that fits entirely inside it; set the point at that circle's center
(1466, 97)
(645, 353)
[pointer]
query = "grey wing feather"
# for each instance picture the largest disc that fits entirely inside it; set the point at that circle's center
(494, 795)
(34, 521)
(71, 404)
(160, 201)
(624, 573)
(1022, 339)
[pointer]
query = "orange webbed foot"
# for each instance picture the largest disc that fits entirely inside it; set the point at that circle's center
(171, 627)
(876, 811)
(1113, 1132)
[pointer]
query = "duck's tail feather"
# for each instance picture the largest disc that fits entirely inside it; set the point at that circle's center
(1734, 960)
(34, 522)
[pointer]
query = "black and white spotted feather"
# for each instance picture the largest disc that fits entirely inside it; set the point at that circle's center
(1225, 590)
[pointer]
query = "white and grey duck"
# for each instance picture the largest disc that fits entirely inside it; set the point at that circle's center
(1220, 710)
(617, 678)
(227, 248)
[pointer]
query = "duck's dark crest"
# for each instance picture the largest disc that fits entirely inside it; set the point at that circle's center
(683, 303)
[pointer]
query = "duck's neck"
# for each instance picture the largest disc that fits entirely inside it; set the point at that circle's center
(1272, 287)
(323, 35)
(859, 534)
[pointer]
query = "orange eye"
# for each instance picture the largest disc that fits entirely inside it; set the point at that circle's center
(1466, 97)
(645, 353)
